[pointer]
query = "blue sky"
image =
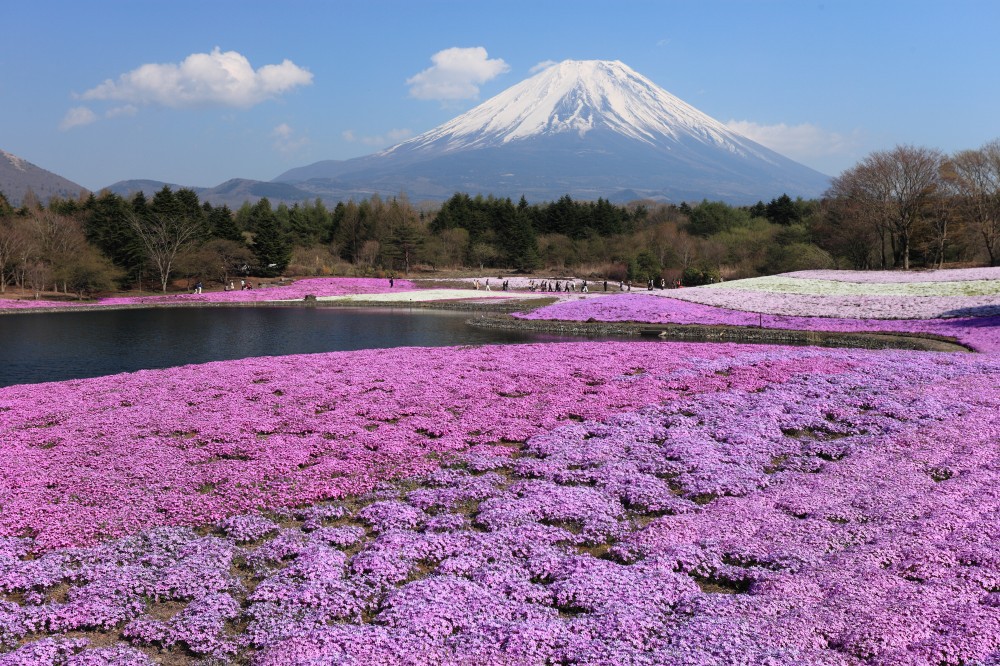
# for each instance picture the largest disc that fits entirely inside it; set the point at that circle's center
(107, 90)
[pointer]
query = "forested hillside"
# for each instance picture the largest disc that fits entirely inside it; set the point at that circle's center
(910, 207)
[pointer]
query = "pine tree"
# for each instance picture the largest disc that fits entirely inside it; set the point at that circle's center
(269, 244)
(223, 223)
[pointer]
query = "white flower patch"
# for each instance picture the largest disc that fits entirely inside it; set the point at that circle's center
(882, 277)
(423, 295)
(808, 286)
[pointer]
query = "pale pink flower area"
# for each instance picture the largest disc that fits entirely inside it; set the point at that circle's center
(574, 503)
(293, 291)
(882, 277)
(981, 333)
(842, 306)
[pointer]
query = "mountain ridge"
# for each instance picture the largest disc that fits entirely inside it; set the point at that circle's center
(18, 176)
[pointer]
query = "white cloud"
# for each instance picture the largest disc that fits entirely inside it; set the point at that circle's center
(285, 140)
(76, 117)
(203, 79)
(390, 138)
(545, 64)
(127, 110)
(799, 142)
(457, 73)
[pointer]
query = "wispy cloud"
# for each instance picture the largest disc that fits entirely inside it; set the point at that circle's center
(799, 142)
(76, 117)
(390, 138)
(456, 74)
(543, 65)
(126, 110)
(286, 140)
(219, 78)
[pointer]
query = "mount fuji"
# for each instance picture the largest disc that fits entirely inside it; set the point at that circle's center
(590, 129)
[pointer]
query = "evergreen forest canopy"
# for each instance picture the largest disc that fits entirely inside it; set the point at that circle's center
(908, 207)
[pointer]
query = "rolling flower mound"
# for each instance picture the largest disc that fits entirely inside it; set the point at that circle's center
(911, 277)
(858, 295)
(975, 324)
(590, 503)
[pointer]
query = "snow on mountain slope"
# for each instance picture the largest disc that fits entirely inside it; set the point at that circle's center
(587, 128)
(580, 96)
(18, 177)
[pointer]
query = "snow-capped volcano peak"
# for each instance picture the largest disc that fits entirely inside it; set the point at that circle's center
(579, 96)
(588, 128)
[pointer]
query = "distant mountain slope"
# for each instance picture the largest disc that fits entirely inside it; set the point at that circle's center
(18, 176)
(232, 193)
(584, 128)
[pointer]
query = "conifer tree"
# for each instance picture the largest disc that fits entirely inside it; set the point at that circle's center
(269, 244)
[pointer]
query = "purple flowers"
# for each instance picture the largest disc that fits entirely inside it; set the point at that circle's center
(598, 503)
(586, 503)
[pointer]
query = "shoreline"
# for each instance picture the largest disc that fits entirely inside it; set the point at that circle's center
(722, 333)
(497, 315)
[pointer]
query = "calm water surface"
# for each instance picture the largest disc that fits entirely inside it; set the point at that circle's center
(71, 345)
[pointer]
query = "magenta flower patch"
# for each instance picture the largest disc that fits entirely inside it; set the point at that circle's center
(574, 503)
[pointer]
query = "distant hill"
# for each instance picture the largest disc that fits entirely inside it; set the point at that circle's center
(19, 176)
(232, 193)
(587, 128)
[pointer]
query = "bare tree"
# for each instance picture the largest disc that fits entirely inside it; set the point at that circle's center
(842, 229)
(219, 258)
(57, 242)
(12, 245)
(368, 254)
(894, 190)
(454, 242)
(164, 237)
(973, 176)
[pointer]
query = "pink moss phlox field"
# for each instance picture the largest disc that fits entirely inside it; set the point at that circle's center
(102, 457)
(759, 505)
(866, 306)
(881, 277)
(293, 291)
(979, 333)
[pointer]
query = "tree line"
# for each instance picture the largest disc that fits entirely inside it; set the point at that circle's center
(902, 208)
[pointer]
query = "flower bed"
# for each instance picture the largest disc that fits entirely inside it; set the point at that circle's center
(425, 295)
(980, 333)
(797, 284)
(670, 503)
(293, 291)
(591, 502)
(102, 457)
(886, 277)
(971, 292)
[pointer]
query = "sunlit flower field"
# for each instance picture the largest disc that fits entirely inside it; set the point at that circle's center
(565, 503)
(800, 301)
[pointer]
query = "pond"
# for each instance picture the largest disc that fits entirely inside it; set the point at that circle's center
(57, 346)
